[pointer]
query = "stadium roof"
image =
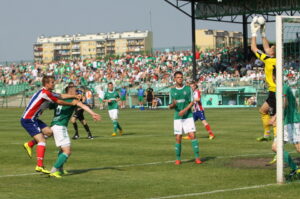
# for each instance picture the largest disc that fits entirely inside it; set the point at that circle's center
(220, 10)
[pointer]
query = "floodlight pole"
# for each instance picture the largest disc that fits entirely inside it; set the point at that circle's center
(193, 40)
(245, 36)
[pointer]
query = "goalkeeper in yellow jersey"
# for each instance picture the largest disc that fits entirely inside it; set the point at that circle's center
(268, 109)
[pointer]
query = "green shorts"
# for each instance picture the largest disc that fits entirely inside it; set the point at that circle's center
(100, 100)
(140, 98)
(123, 98)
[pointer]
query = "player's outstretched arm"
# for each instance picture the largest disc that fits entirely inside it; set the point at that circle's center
(69, 96)
(64, 103)
(95, 116)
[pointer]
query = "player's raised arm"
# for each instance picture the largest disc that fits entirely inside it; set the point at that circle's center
(95, 116)
(265, 41)
(254, 28)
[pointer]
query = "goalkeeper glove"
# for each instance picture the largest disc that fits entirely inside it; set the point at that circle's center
(254, 27)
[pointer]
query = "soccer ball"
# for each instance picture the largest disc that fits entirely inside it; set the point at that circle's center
(261, 21)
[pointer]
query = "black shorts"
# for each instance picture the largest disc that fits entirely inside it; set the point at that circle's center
(271, 100)
(79, 114)
(150, 99)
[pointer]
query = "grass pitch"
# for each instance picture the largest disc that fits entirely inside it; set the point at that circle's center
(140, 164)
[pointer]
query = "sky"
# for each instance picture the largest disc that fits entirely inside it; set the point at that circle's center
(22, 21)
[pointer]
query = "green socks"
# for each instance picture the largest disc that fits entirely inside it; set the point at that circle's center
(61, 159)
(288, 159)
(195, 146)
(178, 151)
(115, 123)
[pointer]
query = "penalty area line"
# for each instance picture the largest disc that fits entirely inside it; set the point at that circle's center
(215, 191)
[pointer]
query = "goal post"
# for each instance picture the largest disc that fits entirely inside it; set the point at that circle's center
(279, 101)
(287, 57)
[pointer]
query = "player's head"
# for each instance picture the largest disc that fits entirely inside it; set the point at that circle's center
(70, 90)
(110, 86)
(48, 82)
(193, 85)
(271, 51)
(178, 77)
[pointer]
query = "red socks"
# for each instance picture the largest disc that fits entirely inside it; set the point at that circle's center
(40, 153)
(209, 129)
(31, 143)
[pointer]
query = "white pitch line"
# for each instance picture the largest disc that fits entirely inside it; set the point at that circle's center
(146, 164)
(215, 191)
(17, 175)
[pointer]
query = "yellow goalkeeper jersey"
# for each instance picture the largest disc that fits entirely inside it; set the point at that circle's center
(270, 69)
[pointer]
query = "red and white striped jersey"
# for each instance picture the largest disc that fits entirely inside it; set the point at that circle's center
(197, 105)
(38, 103)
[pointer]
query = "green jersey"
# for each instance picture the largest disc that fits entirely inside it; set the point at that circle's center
(112, 95)
(62, 114)
(291, 114)
(183, 97)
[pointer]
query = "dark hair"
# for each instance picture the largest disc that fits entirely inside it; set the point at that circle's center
(193, 82)
(68, 88)
(109, 83)
(178, 72)
(46, 79)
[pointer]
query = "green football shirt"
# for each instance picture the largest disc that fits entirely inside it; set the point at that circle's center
(291, 114)
(183, 97)
(112, 95)
(62, 114)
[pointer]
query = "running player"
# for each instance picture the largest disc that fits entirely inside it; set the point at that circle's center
(37, 128)
(181, 100)
(199, 111)
(112, 98)
(59, 126)
(79, 115)
(268, 109)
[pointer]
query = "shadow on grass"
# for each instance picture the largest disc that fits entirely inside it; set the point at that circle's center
(80, 171)
(128, 134)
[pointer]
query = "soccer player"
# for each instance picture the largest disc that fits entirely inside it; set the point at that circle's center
(37, 128)
(199, 111)
(140, 94)
(123, 94)
(181, 100)
(149, 96)
(268, 109)
(79, 115)
(112, 98)
(59, 126)
(291, 128)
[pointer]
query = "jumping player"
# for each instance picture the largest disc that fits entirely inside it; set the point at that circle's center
(37, 128)
(199, 111)
(268, 109)
(59, 126)
(112, 98)
(181, 100)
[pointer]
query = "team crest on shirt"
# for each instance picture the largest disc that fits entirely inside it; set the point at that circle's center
(184, 92)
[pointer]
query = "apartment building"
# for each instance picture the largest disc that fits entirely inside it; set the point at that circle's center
(48, 49)
(212, 39)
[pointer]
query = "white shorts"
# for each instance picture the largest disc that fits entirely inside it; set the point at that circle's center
(113, 114)
(183, 126)
(61, 136)
(292, 133)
